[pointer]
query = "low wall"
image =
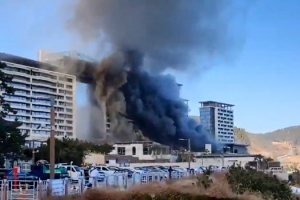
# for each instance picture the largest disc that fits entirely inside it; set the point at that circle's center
(185, 164)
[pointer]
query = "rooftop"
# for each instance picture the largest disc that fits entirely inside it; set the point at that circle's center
(85, 68)
(215, 104)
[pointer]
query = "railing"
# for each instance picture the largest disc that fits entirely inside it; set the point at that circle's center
(35, 190)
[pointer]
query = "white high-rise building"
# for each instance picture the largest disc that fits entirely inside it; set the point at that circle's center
(217, 119)
(33, 87)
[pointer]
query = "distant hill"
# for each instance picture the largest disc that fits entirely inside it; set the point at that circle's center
(277, 143)
(289, 134)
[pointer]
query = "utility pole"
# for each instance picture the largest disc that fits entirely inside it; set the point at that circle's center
(189, 146)
(33, 153)
(52, 137)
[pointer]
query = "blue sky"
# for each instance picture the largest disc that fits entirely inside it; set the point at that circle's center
(262, 82)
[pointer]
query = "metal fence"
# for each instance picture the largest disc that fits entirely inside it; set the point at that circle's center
(35, 190)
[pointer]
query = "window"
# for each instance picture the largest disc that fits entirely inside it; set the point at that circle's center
(105, 169)
(69, 98)
(133, 151)
(60, 85)
(121, 150)
(146, 151)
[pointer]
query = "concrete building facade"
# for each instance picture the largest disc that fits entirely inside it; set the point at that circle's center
(33, 87)
(217, 118)
(95, 113)
(142, 150)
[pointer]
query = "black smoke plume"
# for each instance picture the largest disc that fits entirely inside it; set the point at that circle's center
(161, 34)
(154, 105)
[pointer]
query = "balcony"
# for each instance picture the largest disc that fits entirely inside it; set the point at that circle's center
(43, 85)
(14, 72)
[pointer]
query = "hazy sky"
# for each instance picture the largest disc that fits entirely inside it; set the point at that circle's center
(263, 81)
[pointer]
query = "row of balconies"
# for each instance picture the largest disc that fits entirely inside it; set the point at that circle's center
(41, 136)
(226, 140)
(41, 75)
(225, 133)
(62, 115)
(47, 129)
(225, 136)
(39, 119)
(42, 91)
(32, 98)
(225, 129)
(39, 106)
(41, 87)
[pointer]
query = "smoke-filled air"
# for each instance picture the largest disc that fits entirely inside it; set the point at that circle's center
(149, 37)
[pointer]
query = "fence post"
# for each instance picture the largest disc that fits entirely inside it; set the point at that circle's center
(49, 188)
(106, 178)
(142, 178)
(125, 181)
(40, 190)
(4, 189)
(66, 186)
(81, 184)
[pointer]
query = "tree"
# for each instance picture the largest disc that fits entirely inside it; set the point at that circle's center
(68, 149)
(11, 138)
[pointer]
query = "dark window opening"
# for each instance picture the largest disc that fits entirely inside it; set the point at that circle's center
(133, 151)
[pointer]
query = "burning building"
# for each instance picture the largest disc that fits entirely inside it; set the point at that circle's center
(146, 38)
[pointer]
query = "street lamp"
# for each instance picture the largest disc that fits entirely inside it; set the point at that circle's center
(52, 134)
(189, 149)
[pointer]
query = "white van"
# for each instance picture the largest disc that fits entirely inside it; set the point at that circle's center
(74, 172)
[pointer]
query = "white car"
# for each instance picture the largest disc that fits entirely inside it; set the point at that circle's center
(105, 170)
(139, 170)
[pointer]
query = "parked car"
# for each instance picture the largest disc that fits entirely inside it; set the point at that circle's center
(105, 170)
(125, 171)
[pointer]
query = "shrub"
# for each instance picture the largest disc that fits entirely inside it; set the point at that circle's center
(204, 180)
(241, 180)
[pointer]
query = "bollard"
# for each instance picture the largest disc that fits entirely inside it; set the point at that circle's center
(15, 173)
